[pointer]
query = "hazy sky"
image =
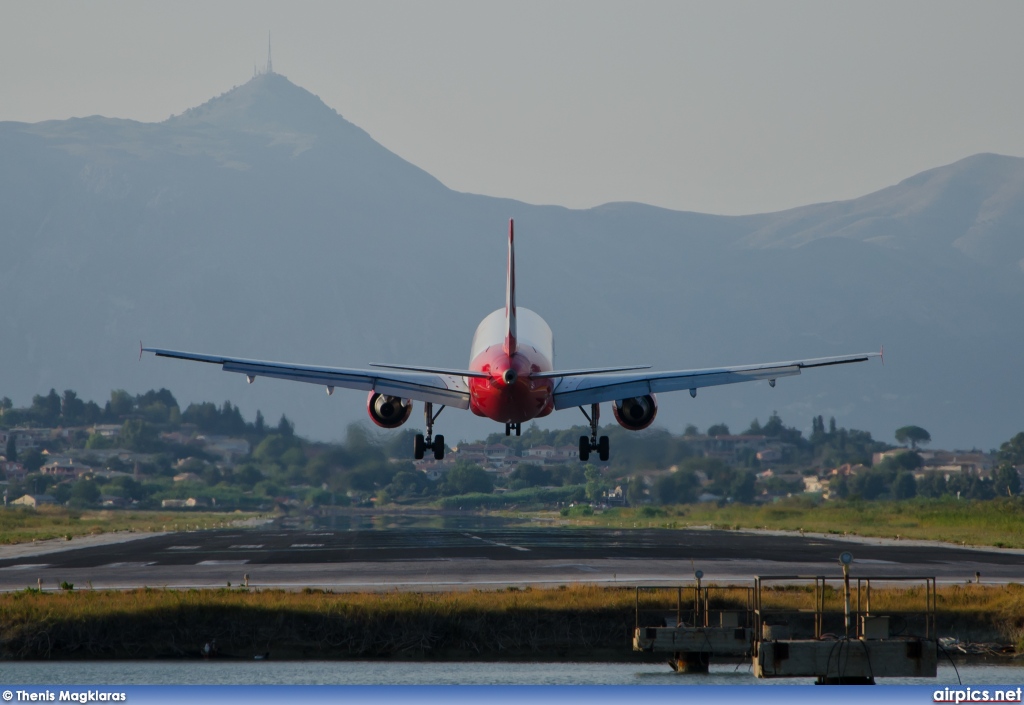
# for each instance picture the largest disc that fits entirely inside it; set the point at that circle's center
(723, 107)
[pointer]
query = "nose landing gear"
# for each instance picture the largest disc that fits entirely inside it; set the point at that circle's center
(509, 427)
(436, 444)
(593, 443)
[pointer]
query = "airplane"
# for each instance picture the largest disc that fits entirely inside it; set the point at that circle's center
(511, 379)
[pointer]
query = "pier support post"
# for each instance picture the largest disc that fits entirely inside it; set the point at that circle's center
(690, 662)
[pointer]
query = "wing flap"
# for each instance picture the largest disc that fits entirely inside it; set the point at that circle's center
(449, 390)
(582, 390)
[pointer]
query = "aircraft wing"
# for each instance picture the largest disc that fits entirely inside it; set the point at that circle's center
(594, 389)
(446, 389)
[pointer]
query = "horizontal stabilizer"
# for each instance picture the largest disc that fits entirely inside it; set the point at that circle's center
(435, 370)
(590, 371)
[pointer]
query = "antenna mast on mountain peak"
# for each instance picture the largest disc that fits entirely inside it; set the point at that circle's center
(270, 63)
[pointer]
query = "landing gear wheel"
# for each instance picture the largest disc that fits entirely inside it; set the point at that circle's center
(439, 447)
(602, 448)
(584, 449)
(419, 447)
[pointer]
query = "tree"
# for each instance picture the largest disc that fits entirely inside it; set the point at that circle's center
(912, 435)
(46, 410)
(596, 484)
(742, 487)
(636, 490)
(1012, 451)
(1007, 480)
(72, 409)
(839, 487)
(529, 475)
(465, 477)
(11, 452)
(905, 486)
(680, 487)
(140, 436)
(285, 427)
(719, 429)
(32, 460)
(120, 405)
(932, 485)
(85, 492)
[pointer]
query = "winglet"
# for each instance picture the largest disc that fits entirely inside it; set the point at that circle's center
(140, 351)
(510, 295)
(881, 354)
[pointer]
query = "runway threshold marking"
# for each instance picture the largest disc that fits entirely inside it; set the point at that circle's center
(307, 545)
(129, 564)
(247, 545)
(496, 543)
(225, 562)
(183, 548)
(26, 566)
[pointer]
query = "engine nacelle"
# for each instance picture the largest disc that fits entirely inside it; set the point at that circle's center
(388, 412)
(636, 413)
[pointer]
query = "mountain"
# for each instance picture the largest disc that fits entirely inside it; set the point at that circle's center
(263, 224)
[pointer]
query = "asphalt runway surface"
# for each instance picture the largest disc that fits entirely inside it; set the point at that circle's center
(440, 559)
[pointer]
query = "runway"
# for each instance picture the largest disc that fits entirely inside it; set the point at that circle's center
(418, 558)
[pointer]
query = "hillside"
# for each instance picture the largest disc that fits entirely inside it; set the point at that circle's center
(264, 224)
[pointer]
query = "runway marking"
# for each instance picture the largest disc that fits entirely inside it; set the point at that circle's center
(26, 566)
(307, 545)
(214, 562)
(495, 543)
(183, 548)
(875, 561)
(322, 533)
(247, 545)
(130, 564)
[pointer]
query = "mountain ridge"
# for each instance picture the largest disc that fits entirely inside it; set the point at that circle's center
(268, 226)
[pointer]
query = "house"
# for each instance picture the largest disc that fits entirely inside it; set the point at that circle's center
(106, 430)
(34, 500)
(815, 484)
(728, 448)
(64, 468)
(182, 503)
(187, 477)
(550, 455)
(25, 438)
(227, 448)
(14, 472)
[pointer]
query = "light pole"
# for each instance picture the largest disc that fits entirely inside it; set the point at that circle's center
(845, 559)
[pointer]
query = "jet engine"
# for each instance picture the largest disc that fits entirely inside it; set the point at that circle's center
(388, 412)
(636, 413)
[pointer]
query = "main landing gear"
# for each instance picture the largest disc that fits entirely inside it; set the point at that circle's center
(510, 427)
(593, 443)
(436, 444)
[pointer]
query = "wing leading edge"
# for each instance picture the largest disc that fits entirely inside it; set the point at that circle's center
(581, 390)
(449, 390)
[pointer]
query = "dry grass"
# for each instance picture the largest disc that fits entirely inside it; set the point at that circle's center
(998, 522)
(20, 525)
(551, 624)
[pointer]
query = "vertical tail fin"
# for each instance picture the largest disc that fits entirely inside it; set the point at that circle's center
(510, 295)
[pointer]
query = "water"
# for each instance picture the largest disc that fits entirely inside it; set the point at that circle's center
(428, 673)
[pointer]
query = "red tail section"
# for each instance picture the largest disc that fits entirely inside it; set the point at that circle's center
(510, 295)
